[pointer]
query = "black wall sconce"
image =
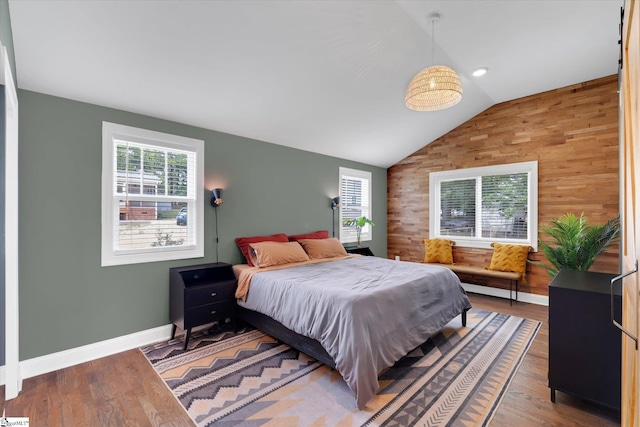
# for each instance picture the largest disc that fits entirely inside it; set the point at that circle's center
(216, 197)
(335, 204)
(216, 200)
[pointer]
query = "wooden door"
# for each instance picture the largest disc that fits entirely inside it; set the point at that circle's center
(630, 146)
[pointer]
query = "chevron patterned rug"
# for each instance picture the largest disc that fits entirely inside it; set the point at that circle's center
(456, 378)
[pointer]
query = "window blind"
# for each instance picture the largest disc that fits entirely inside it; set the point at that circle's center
(458, 207)
(151, 185)
(504, 206)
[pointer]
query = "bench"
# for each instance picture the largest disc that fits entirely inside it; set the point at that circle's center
(473, 270)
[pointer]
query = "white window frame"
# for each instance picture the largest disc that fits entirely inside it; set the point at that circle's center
(366, 234)
(435, 179)
(112, 132)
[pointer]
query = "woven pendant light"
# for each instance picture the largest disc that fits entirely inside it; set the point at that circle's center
(436, 87)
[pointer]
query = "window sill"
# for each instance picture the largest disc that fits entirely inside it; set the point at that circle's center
(485, 243)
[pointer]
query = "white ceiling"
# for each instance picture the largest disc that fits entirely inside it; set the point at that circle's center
(318, 75)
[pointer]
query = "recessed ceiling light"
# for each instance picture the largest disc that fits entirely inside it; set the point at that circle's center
(480, 72)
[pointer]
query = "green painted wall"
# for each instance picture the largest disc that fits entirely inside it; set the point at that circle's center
(66, 298)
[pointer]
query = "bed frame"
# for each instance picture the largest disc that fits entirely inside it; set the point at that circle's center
(304, 344)
(278, 331)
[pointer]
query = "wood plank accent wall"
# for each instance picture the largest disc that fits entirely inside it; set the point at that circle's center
(573, 134)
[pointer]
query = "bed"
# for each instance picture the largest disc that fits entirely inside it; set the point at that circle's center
(355, 313)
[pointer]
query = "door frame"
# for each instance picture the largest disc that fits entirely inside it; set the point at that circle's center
(13, 379)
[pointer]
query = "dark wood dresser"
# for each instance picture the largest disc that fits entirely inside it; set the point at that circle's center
(201, 294)
(584, 345)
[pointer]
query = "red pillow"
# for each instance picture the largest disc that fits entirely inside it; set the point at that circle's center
(244, 242)
(320, 234)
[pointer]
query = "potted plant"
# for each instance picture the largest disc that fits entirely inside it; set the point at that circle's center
(358, 223)
(574, 243)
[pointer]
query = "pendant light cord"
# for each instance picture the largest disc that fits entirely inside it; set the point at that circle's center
(433, 41)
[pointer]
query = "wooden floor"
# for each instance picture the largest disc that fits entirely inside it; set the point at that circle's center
(123, 390)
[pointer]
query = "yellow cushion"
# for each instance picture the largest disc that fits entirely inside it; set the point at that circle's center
(438, 250)
(510, 258)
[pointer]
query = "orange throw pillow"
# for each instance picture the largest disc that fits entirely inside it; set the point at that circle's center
(267, 254)
(244, 242)
(323, 248)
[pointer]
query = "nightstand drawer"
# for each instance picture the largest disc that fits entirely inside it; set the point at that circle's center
(208, 313)
(207, 294)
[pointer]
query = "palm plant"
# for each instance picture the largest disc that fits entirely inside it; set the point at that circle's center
(358, 223)
(575, 244)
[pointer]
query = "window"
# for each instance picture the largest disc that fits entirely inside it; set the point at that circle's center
(355, 201)
(478, 206)
(152, 196)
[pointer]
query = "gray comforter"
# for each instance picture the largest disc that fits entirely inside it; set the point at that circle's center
(367, 312)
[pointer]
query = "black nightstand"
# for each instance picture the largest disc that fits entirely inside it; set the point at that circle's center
(363, 250)
(201, 294)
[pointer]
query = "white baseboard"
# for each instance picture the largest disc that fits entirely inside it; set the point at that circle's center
(63, 359)
(74, 356)
(504, 293)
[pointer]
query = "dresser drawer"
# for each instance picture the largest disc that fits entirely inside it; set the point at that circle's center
(207, 294)
(209, 313)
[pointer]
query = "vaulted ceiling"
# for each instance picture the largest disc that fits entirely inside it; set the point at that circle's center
(319, 75)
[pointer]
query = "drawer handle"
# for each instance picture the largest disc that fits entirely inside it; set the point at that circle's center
(213, 312)
(613, 320)
(213, 294)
